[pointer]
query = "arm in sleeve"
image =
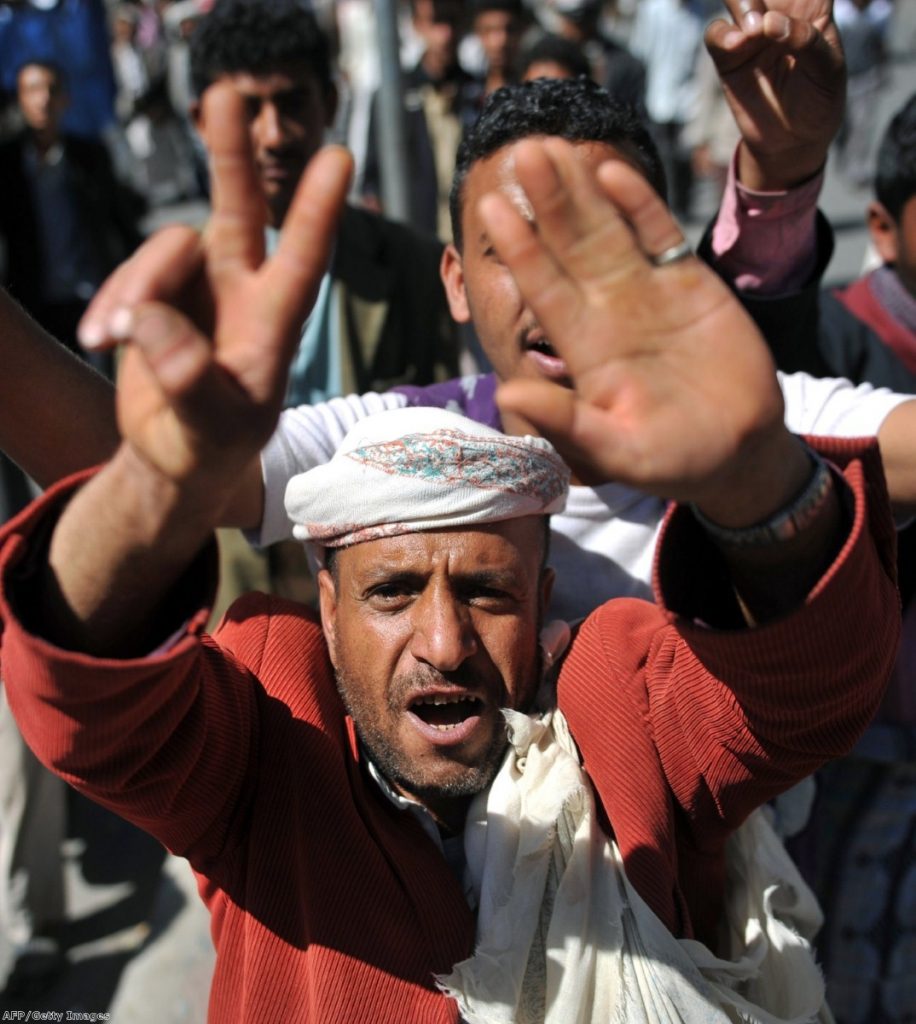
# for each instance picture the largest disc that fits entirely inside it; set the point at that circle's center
(165, 741)
(733, 716)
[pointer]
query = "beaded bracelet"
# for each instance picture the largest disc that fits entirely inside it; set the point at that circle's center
(783, 525)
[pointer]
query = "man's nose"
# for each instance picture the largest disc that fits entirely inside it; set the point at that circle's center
(443, 633)
(268, 127)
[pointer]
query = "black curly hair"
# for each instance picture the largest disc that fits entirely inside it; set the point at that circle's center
(258, 37)
(577, 110)
(895, 174)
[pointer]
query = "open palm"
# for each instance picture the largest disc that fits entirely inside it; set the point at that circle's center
(672, 382)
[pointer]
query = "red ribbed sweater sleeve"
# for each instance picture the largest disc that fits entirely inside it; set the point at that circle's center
(685, 729)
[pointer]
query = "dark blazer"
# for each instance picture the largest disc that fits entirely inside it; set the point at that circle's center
(109, 210)
(398, 327)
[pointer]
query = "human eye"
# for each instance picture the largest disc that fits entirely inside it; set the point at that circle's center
(391, 595)
(489, 596)
(294, 102)
(252, 108)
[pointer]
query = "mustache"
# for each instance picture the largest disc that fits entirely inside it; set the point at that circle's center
(427, 678)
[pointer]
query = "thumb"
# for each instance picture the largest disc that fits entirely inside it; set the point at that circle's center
(580, 433)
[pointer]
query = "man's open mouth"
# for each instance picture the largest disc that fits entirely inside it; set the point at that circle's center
(542, 346)
(446, 712)
(549, 363)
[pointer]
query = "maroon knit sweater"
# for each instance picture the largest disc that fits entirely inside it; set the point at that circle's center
(331, 905)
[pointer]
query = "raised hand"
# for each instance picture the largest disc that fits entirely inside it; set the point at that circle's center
(193, 407)
(202, 394)
(782, 68)
(674, 390)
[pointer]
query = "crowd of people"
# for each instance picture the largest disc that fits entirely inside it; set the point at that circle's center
(479, 769)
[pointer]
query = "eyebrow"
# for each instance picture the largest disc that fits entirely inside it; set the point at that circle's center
(482, 577)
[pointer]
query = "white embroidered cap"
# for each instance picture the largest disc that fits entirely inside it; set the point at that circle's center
(417, 469)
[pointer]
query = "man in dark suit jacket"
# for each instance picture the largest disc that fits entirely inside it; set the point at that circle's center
(65, 220)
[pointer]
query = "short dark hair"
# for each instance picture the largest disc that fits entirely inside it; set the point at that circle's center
(451, 11)
(895, 173)
(42, 62)
(557, 50)
(515, 7)
(258, 37)
(576, 109)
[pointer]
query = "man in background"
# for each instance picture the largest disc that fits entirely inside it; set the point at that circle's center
(65, 220)
(441, 101)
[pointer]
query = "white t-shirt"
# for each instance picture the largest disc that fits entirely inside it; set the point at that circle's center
(603, 544)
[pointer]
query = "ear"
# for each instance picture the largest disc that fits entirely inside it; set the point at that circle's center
(327, 602)
(883, 230)
(451, 270)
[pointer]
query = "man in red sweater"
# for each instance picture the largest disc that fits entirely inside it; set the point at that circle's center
(336, 784)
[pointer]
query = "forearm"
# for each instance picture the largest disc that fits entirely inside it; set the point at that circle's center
(57, 414)
(831, 655)
(117, 552)
(895, 439)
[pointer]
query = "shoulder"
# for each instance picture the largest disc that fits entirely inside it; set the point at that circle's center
(89, 151)
(834, 405)
(473, 396)
(11, 151)
(277, 640)
(377, 235)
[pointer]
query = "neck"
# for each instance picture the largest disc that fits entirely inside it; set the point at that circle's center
(496, 79)
(449, 814)
(44, 139)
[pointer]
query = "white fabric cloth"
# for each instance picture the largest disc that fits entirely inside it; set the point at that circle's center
(603, 543)
(564, 938)
(416, 469)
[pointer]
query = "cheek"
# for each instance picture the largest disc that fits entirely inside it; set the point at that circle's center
(370, 648)
(513, 649)
(493, 296)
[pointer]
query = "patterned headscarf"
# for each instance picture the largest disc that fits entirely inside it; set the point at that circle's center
(417, 469)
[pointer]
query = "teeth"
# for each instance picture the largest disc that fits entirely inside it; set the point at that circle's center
(438, 701)
(446, 728)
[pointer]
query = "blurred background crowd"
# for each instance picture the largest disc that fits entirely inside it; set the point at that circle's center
(127, 76)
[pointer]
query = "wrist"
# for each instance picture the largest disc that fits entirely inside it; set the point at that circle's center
(195, 500)
(762, 479)
(787, 522)
(772, 172)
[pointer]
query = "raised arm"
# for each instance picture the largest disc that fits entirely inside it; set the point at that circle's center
(675, 391)
(782, 69)
(57, 415)
(194, 411)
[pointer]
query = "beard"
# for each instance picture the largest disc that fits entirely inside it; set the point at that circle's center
(451, 778)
